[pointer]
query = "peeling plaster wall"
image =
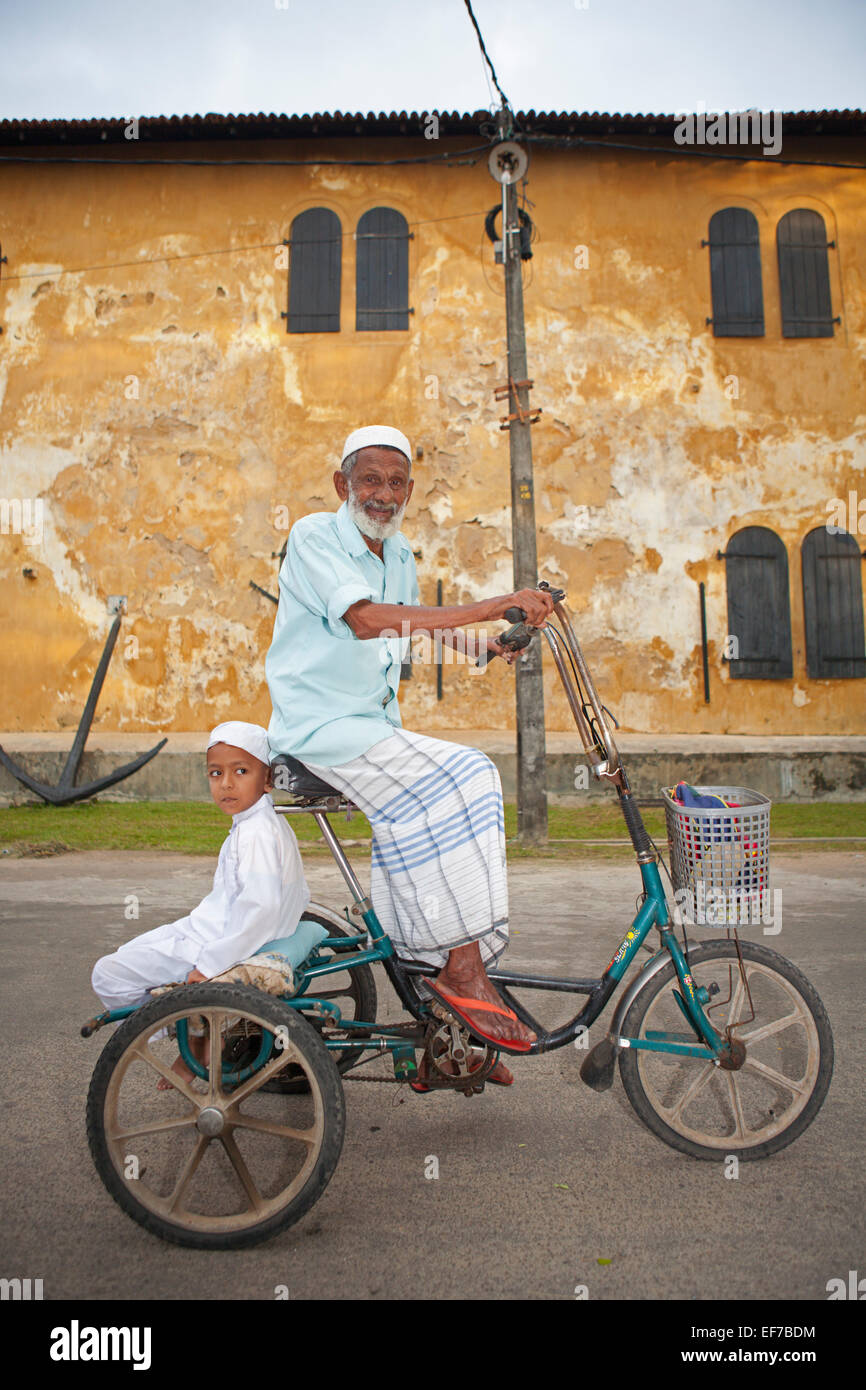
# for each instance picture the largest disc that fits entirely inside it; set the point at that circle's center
(164, 417)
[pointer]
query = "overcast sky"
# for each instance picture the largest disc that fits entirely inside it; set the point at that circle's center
(79, 58)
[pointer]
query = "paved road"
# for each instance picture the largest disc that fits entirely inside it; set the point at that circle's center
(496, 1223)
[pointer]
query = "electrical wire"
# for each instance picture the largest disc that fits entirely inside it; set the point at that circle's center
(574, 142)
(196, 255)
(458, 157)
(505, 102)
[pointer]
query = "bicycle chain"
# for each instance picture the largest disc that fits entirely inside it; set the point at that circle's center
(446, 1083)
(378, 1080)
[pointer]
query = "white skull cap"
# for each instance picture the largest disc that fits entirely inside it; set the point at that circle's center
(252, 738)
(371, 435)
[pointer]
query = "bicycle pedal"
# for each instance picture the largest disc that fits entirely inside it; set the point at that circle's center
(444, 1015)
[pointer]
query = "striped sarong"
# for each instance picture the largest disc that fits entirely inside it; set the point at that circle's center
(438, 878)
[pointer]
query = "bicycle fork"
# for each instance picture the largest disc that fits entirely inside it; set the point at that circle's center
(711, 1046)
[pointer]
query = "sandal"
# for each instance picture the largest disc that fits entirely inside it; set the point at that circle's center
(459, 1006)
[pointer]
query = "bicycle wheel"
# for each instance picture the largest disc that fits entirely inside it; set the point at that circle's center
(352, 989)
(215, 1164)
(701, 1108)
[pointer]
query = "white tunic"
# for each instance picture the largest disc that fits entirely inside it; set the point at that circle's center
(259, 895)
(259, 891)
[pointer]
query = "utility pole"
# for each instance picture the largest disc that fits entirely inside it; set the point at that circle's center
(510, 161)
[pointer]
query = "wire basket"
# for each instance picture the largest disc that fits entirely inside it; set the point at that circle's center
(720, 857)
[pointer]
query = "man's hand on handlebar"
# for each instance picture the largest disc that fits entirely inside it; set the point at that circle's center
(536, 604)
(526, 610)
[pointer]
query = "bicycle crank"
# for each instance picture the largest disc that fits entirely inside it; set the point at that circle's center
(455, 1061)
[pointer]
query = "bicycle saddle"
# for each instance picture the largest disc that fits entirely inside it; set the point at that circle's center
(291, 776)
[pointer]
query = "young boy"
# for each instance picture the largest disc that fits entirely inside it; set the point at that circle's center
(259, 892)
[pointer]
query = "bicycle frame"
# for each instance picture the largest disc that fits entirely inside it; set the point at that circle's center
(345, 952)
(599, 744)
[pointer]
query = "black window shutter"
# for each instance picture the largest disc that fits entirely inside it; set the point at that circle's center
(759, 612)
(735, 274)
(833, 604)
(316, 244)
(382, 290)
(804, 275)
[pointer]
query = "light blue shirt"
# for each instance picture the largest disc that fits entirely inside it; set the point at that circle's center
(334, 696)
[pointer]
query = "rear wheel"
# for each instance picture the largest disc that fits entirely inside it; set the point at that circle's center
(705, 1110)
(353, 990)
(216, 1164)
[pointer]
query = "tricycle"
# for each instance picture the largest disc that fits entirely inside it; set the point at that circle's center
(724, 1047)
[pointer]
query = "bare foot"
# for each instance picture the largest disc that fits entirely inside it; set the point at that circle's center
(465, 977)
(183, 1071)
(197, 1047)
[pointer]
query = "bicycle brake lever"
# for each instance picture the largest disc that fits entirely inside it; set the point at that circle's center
(514, 638)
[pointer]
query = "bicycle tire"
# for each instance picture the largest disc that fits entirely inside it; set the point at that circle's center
(635, 1068)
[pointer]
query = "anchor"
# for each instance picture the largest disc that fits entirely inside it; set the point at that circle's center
(66, 791)
(274, 556)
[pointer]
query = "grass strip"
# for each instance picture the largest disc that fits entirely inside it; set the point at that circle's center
(198, 827)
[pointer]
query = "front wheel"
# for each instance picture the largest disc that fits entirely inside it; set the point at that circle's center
(699, 1107)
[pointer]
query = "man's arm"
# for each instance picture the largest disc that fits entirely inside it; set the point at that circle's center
(367, 619)
(471, 644)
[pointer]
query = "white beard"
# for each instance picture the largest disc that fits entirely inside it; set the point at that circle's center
(375, 530)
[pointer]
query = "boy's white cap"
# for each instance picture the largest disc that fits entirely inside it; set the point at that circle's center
(252, 738)
(371, 435)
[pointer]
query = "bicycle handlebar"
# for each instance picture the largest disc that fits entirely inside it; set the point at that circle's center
(580, 690)
(583, 698)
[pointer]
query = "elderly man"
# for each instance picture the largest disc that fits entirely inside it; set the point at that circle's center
(348, 583)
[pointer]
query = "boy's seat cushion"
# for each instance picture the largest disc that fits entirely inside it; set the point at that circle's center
(271, 969)
(297, 947)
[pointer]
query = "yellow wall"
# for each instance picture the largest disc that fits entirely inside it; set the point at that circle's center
(644, 465)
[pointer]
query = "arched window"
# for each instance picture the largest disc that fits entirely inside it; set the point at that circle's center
(804, 275)
(735, 274)
(316, 243)
(382, 291)
(759, 613)
(833, 604)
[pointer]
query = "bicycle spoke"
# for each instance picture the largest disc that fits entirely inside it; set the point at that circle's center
(690, 1092)
(306, 1136)
(768, 1029)
(158, 1127)
(189, 1168)
(740, 1127)
(177, 1081)
(797, 1088)
(243, 1172)
(214, 1018)
(737, 996)
(280, 1059)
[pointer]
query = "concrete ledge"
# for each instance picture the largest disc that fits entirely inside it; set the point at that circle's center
(785, 769)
